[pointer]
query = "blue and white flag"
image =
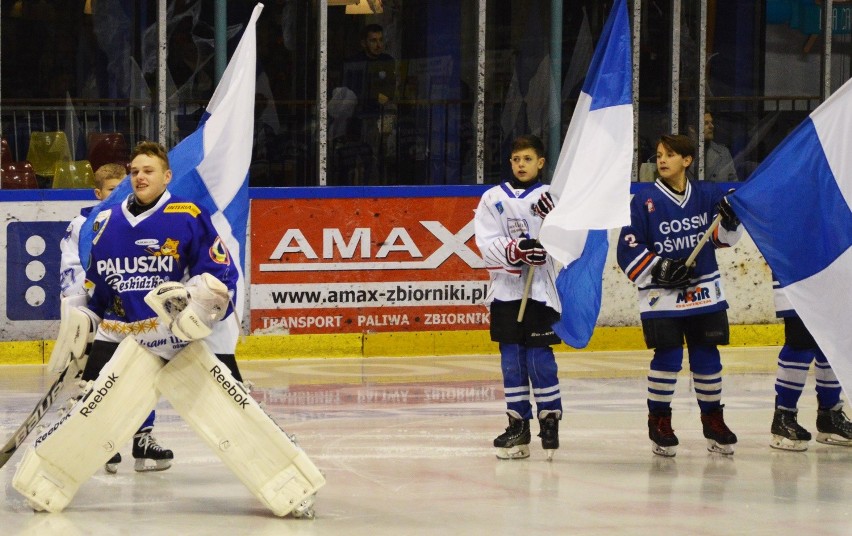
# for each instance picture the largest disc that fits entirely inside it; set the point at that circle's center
(796, 208)
(592, 180)
(211, 167)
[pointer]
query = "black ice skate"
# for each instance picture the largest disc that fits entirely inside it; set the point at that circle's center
(111, 466)
(145, 449)
(663, 439)
(720, 438)
(514, 443)
(786, 432)
(833, 427)
(548, 422)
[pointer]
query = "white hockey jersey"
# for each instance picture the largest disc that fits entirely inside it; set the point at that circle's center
(505, 213)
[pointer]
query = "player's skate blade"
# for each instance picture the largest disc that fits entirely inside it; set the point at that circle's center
(718, 448)
(111, 466)
(833, 439)
(666, 452)
(783, 443)
(518, 452)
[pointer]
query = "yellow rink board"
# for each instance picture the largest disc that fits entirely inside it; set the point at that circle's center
(422, 343)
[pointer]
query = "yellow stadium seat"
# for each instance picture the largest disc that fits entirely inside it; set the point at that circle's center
(73, 174)
(46, 149)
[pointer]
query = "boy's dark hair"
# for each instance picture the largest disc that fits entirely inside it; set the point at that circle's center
(371, 28)
(528, 141)
(151, 148)
(678, 143)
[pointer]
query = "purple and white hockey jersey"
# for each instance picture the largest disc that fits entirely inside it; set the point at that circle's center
(665, 224)
(503, 214)
(131, 255)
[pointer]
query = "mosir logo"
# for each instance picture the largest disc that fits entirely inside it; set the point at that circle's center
(360, 244)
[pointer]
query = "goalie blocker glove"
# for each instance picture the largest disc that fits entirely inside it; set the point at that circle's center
(191, 310)
(544, 205)
(527, 251)
(730, 221)
(672, 273)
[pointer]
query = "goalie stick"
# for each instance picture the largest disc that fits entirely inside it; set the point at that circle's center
(72, 369)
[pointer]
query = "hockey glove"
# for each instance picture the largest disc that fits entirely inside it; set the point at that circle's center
(527, 251)
(729, 217)
(544, 205)
(672, 273)
(190, 311)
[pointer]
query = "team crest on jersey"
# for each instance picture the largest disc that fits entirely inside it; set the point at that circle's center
(168, 249)
(518, 227)
(188, 208)
(499, 206)
(649, 204)
(100, 224)
(653, 298)
(219, 253)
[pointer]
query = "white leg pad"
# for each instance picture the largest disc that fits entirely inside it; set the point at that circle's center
(205, 394)
(76, 446)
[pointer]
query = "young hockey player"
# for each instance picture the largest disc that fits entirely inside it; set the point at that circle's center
(148, 454)
(677, 301)
(794, 360)
(507, 222)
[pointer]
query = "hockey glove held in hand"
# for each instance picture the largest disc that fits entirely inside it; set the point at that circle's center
(544, 205)
(527, 251)
(671, 273)
(729, 217)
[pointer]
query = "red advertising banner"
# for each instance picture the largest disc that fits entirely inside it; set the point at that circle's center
(365, 265)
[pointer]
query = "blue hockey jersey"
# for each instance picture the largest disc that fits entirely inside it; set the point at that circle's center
(665, 224)
(131, 255)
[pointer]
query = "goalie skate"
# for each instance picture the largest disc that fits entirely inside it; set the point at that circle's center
(149, 455)
(514, 443)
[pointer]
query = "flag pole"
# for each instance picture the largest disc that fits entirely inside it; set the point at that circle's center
(526, 295)
(691, 259)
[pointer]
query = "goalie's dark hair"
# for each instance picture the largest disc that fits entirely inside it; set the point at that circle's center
(528, 141)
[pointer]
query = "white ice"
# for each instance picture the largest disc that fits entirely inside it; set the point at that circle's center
(405, 444)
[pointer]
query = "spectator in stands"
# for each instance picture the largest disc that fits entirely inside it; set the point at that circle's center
(718, 164)
(371, 74)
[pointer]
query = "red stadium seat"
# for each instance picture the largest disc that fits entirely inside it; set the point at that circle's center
(107, 148)
(18, 176)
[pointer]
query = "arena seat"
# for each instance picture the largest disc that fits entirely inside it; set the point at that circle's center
(107, 148)
(17, 176)
(73, 174)
(46, 149)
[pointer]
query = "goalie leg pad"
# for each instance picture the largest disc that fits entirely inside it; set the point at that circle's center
(75, 332)
(76, 446)
(205, 394)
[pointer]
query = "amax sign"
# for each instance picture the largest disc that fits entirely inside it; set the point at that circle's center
(360, 265)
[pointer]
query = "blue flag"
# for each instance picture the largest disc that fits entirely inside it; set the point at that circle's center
(796, 208)
(211, 167)
(591, 180)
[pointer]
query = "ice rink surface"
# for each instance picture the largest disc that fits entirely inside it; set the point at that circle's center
(405, 444)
